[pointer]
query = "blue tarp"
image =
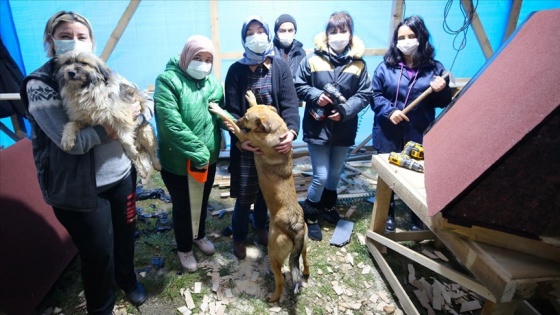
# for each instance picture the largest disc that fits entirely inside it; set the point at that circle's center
(159, 29)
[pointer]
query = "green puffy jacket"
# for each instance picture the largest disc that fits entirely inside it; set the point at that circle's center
(186, 129)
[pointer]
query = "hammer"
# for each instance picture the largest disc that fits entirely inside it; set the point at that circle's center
(422, 96)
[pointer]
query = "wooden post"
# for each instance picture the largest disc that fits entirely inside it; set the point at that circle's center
(119, 29)
(215, 27)
(479, 30)
(512, 18)
(396, 17)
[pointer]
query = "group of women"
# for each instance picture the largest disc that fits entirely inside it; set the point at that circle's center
(333, 81)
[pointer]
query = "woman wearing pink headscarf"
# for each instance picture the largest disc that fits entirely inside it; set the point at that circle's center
(189, 135)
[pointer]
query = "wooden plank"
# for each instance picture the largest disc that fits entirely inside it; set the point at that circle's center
(215, 30)
(404, 300)
(482, 266)
(513, 17)
(443, 270)
(521, 266)
(119, 29)
(441, 255)
(396, 16)
(407, 184)
(380, 207)
(411, 236)
(505, 240)
(478, 30)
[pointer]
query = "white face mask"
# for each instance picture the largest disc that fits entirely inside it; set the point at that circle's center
(408, 46)
(65, 45)
(339, 41)
(286, 39)
(257, 43)
(199, 70)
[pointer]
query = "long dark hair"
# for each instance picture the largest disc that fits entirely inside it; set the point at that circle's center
(425, 53)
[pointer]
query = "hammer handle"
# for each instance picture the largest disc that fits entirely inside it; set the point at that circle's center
(422, 96)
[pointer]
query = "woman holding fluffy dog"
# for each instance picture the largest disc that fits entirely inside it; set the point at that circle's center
(334, 83)
(189, 137)
(270, 80)
(92, 187)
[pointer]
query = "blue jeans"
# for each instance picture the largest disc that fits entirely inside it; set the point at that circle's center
(327, 162)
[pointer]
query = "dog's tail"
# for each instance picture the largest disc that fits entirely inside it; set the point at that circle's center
(299, 243)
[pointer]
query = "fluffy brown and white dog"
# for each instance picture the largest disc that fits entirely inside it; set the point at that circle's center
(93, 95)
(288, 233)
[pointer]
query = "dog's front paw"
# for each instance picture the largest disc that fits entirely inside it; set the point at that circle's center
(274, 297)
(67, 143)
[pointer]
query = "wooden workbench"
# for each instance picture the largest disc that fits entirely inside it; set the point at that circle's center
(505, 275)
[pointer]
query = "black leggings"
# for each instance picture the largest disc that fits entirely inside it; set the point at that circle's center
(178, 187)
(105, 241)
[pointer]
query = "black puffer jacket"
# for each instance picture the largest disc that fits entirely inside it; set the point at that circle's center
(349, 73)
(295, 55)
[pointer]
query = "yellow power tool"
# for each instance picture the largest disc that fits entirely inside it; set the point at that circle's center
(405, 161)
(414, 150)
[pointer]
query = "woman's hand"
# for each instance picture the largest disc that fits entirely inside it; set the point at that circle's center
(248, 146)
(398, 116)
(335, 115)
(285, 145)
(438, 84)
(111, 133)
(324, 100)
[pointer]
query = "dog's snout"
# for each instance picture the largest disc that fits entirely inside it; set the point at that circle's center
(72, 74)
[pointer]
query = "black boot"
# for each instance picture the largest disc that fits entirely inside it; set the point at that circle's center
(415, 222)
(311, 214)
(391, 224)
(329, 212)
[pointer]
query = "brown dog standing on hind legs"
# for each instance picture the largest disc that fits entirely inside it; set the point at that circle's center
(288, 232)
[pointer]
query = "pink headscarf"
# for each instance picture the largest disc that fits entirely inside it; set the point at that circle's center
(194, 45)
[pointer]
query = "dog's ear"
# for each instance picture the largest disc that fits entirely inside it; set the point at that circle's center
(104, 71)
(263, 124)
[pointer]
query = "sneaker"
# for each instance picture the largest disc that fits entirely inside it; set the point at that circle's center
(188, 261)
(205, 246)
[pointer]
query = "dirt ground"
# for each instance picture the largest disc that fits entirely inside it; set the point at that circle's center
(344, 280)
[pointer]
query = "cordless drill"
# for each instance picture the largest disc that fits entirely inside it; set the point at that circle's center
(320, 113)
(412, 150)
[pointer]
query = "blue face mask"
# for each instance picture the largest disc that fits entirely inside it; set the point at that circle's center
(257, 43)
(65, 45)
(199, 70)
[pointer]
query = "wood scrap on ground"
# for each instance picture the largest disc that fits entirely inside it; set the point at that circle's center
(441, 296)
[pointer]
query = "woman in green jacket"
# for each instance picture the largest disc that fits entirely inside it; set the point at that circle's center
(189, 141)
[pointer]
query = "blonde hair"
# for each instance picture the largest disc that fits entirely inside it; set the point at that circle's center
(54, 22)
